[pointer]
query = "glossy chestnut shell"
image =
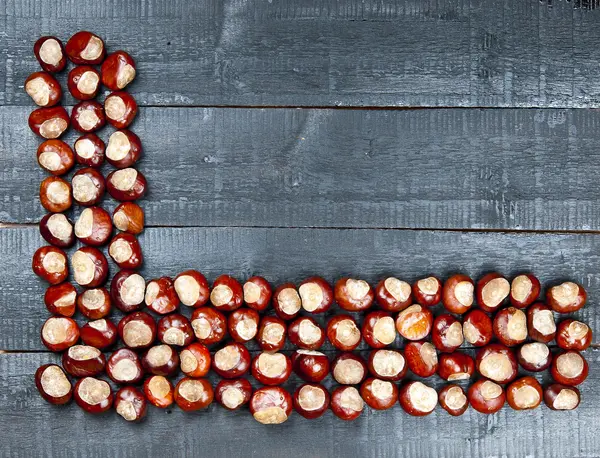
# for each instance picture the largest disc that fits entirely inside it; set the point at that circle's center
(118, 70)
(561, 397)
(233, 394)
(127, 290)
(316, 295)
(573, 335)
(137, 330)
(60, 299)
(310, 366)
(421, 358)
(83, 361)
(485, 396)
(131, 404)
(492, 291)
(50, 264)
(271, 333)
(129, 217)
(93, 395)
(569, 368)
(159, 391)
(349, 369)
(540, 323)
(524, 290)
(447, 333)
(497, 362)
(55, 194)
(393, 295)
(227, 294)
(305, 333)
(53, 384)
(100, 333)
(257, 293)
(50, 53)
(126, 185)
(566, 298)
(427, 291)
(160, 360)
(270, 368)
(120, 109)
(124, 366)
(343, 333)
(477, 328)
(417, 399)
(94, 226)
(193, 394)
(49, 122)
(387, 365)
(84, 82)
(379, 394)
(87, 116)
(124, 149)
(94, 303)
(191, 286)
(195, 360)
(286, 301)
(243, 324)
(510, 326)
(311, 400)
(524, 393)
(353, 295)
(175, 329)
(271, 405)
(55, 156)
(231, 361)
(90, 268)
(379, 329)
(453, 400)
(534, 356)
(414, 322)
(458, 293)
(85, 48)
(88, 186)
(346, 403)
(43, 89)
(210, 325)
(89, 150)
(455, 366)
(126, 252)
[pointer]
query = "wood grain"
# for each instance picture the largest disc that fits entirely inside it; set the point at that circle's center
(516, 53)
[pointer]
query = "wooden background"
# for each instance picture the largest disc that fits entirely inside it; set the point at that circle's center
(298, 137)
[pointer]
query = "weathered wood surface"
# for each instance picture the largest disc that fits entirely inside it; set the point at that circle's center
(491, 169)
(476, 53)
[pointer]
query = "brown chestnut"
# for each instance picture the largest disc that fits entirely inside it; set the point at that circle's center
(87, 116)
(227, 294)
(393, 295)
(49, 122)
(310, 366)
(271, 333)
(50, 53)
(524, 393)
(85, 48)
(305, 333)
(93, 395)
(492, 291)
(421, 358)
(346, 403)
(175, 329)
(60, 299)
(126, 184)
(379, 394)
(414, 322)
(560, 397)
(510, 326)
(271, 368)
(137, 330)
(53, 384)
(427, 291)
(57, 230)
(193, 394)
(534, 356)
(88, 186)
(50, 264)
(486, 396)
(540, 323)
(43, 89)
(209, 325)
(455, 366)
(379, 329)
(84, 82)
(160, 360)
(497, 362)
(55, 194)
(129, 217)
(453, 400)
(524, 290)
(118, 70)
(120, 108)
(353, 295)
(83, 361)
(232, 394)
(100, 333)
(343, 333)
(131, 404)
(124, 366)
(457, 294)
(191, 286)
(417, 399)
(257, 293)
(124, 149)
(271, 405)
(126, 252)
(286, 301)
(447, 333)
(55, 156)
(195, 360)
(94, 226)
(311, 400)
(161, 297)
(159, 391)
(90, 267)
(94, 303)
(231, 361)
(127, 290)
(243, 324)
(387, 365)
(569, 368)
(89, 150)
(349, 369)
(566, 298)
(477, 328)
(316, 295)
(573, 335)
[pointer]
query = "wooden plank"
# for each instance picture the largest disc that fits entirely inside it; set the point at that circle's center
(27, 422)
(294, 254)
(476, 169)
(304, 53)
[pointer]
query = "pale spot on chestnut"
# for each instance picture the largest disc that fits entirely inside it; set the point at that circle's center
(93, 391)
(125, 76)
(400, 290)
(132, 290)
(174, 336)
(51, 52)
(83, 268)
(93, 299)
(93, 49)
(463, 291)
(494, 292)
(83, 352)
(54, 262)
(84, 189)
(227, 358)
(578, 330)
(39, 90)
(84, 224)
(159, 355)
(191, 390)
(232, 397)
(496, 366)
(186, 286)
(521, 288)
(271, 364)
(159, 386)
(429, 285)
(348, 372)
(428, 354)
(272, 333)
(66, 300)
(567, 399)
(311, 398)
(124, 179)
(85, 148)
(357, 289)
(382, 389)
(490, 390)
(99, 325)
(455, 398)
(115, 107)
(118, 146)
(569, 365)
(423, 398)
(51, 161)
(59, 226)
(565, 294)
(252, 292)
(543, 321)
(126, 410)
(221, 295)
(517, 326)
(246, 329)
(54, 382)
(57, 192)
(88, 119)
(385, 330)
(289, 301)
(202, 328)
(120, 250)
(53, 128)
(471, 333)
(137, 334)
(351, 400)
(270, 416)
(527, 397)
(311, 295)
(459, 376)
(454, 335)
(188, 363)
(535, 353)
(347, 333)
(308, 332)
(88, 82)
(388, 363)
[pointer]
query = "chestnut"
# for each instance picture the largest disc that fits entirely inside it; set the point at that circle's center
(447, 333)
(87, 116)
(427, 291)
(379, 329)
(346, 403)
(83, 361)
(227, 293)
(316, 295)
(231, 361)
(393, 295)
(560, 397)
(243, 324)
(85, 48)
(126, 252)
(90, 268)
(43, 89)
(53, 384)
(524, 393)
(50, 264)
(131, 404)
(510, 326)
(311, 400)
(486, 396)
(57, 230)
(414, 322)
(126, 184)
(118, 70)
(353, 295)
(94, 226)
(159, 391)
(271, 368)
(286, 301)
(175, 329)
(50, 53)
(524, 290)
(257, 293)
(348, 369)
(232, 394)
(310, 366)
(161, 297)
(497, 363)
(88, 186)
(453, 400)
(124, 149)
(567, 368)
(457, 294)
(120, 108)
(127, 290)
(540, 323)
(209, 325)
(193, 394)
(271, 405)
(379, 394)
(93, 395)
(387, 365)
(94, 303)
(477, 328)
(573, 335)
(417, 399)
(343, 333)
(49, 122)
(566, 298)
(89, 150)
(455, 366)
(129, 217)
(55, 194)
(60, 299)
(160, 360)
(84, 82)
(124, 366)
(492, 291)
(305, 333)
(421, 358)
(191, 286)
(100, 333)
(195, 360)
(271, 333)
(137, 330)
(55, 156)
(534, 356)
